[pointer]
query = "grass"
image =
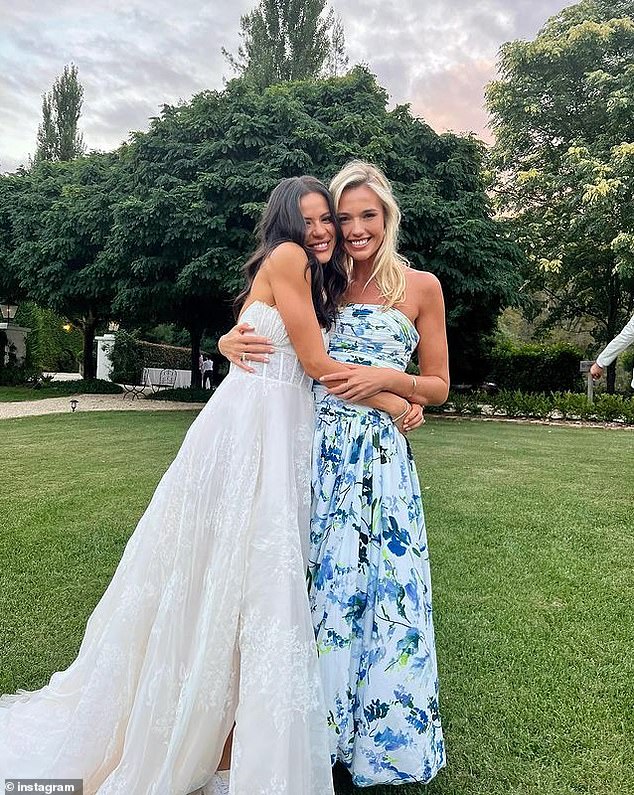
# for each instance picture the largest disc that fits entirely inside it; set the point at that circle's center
(532, 542)
(10, 394)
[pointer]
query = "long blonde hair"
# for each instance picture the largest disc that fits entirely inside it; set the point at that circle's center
(388, 264)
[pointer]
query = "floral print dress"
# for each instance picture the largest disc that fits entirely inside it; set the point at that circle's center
(369, 578)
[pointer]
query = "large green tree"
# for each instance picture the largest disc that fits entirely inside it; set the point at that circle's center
(12, 187)
(60, 227)
(199, 179)
(563, 116)
(288, 40)
(58, 137)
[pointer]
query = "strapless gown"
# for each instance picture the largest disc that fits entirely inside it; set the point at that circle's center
(206, 619)
(370, 575)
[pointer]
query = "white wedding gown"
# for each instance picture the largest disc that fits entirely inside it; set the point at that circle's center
(206, 620)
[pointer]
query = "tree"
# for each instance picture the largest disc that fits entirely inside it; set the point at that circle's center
(61, 226)
(47, 132)
(11, 192)
(288, 40)
(564, 124)
(337, 61)
(58, 137)
(199, 179)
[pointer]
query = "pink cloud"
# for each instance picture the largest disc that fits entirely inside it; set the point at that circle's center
(453, 98)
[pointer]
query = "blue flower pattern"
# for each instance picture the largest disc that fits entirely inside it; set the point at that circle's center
(369, 578)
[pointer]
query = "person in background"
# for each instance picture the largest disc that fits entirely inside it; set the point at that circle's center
(612, 350)
(207, 372)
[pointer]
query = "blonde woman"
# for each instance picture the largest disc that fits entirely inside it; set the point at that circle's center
(370, 586)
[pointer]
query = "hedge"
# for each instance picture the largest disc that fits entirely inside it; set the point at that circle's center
(84, 386)
(559, 405)
(130, 355)
(535, 368)
(183, 394)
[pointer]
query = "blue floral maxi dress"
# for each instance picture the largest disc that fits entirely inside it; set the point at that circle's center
(370, 586)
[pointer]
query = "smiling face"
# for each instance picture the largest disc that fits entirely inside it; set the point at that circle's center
(321, 235)
(362, 220)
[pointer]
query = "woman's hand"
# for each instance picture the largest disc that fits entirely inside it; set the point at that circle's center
(406, 416)
(414, 419)
(240, 346)
(357, 382)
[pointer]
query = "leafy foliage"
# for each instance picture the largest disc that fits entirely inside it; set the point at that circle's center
(126, 358)
(158, 230)
(60, 222)
(182, 394)
(58, 137)
(563, 116)
(535, 368)
(129, 355)
(200, 177)
(516, 404)
(285, 40)
(51, 345)
(13, 190)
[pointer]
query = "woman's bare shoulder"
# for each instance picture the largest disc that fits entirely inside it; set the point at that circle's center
(423, 284)
(284, 254)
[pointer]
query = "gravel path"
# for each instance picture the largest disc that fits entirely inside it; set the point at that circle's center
(31, 408)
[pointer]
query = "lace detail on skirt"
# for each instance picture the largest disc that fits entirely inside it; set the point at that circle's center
(206, 619)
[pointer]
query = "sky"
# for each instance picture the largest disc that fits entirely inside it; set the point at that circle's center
(133, 56)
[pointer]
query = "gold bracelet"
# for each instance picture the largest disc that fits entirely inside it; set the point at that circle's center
(403, 413)
(413, 388)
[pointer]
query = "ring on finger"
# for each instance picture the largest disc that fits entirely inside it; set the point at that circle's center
(244, 357)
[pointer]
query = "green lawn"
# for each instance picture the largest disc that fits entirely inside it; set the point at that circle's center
(10, 394)
(531, 531)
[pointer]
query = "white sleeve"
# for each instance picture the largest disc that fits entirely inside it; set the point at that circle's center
(618, 345)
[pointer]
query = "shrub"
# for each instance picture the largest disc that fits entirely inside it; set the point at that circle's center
(611, 407)
(175, 358)
(12, 372)
(535, 368)
(459, 402)
(572, 406)
(627, 362)
(130, 355)
(85, 386)
(516, 404)
(126, 358)
(507, 402)
(183, 394)
(51, 344)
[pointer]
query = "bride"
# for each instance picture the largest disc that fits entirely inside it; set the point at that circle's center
(204, 634)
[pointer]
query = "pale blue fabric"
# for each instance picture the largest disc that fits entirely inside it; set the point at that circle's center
(370, 585)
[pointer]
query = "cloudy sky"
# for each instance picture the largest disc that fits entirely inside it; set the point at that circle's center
(135, 55)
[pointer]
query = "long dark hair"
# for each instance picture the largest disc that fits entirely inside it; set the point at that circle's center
(282, 222)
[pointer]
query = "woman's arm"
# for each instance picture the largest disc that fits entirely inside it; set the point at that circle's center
(289, 280)
(431, 387)
(241, 346)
